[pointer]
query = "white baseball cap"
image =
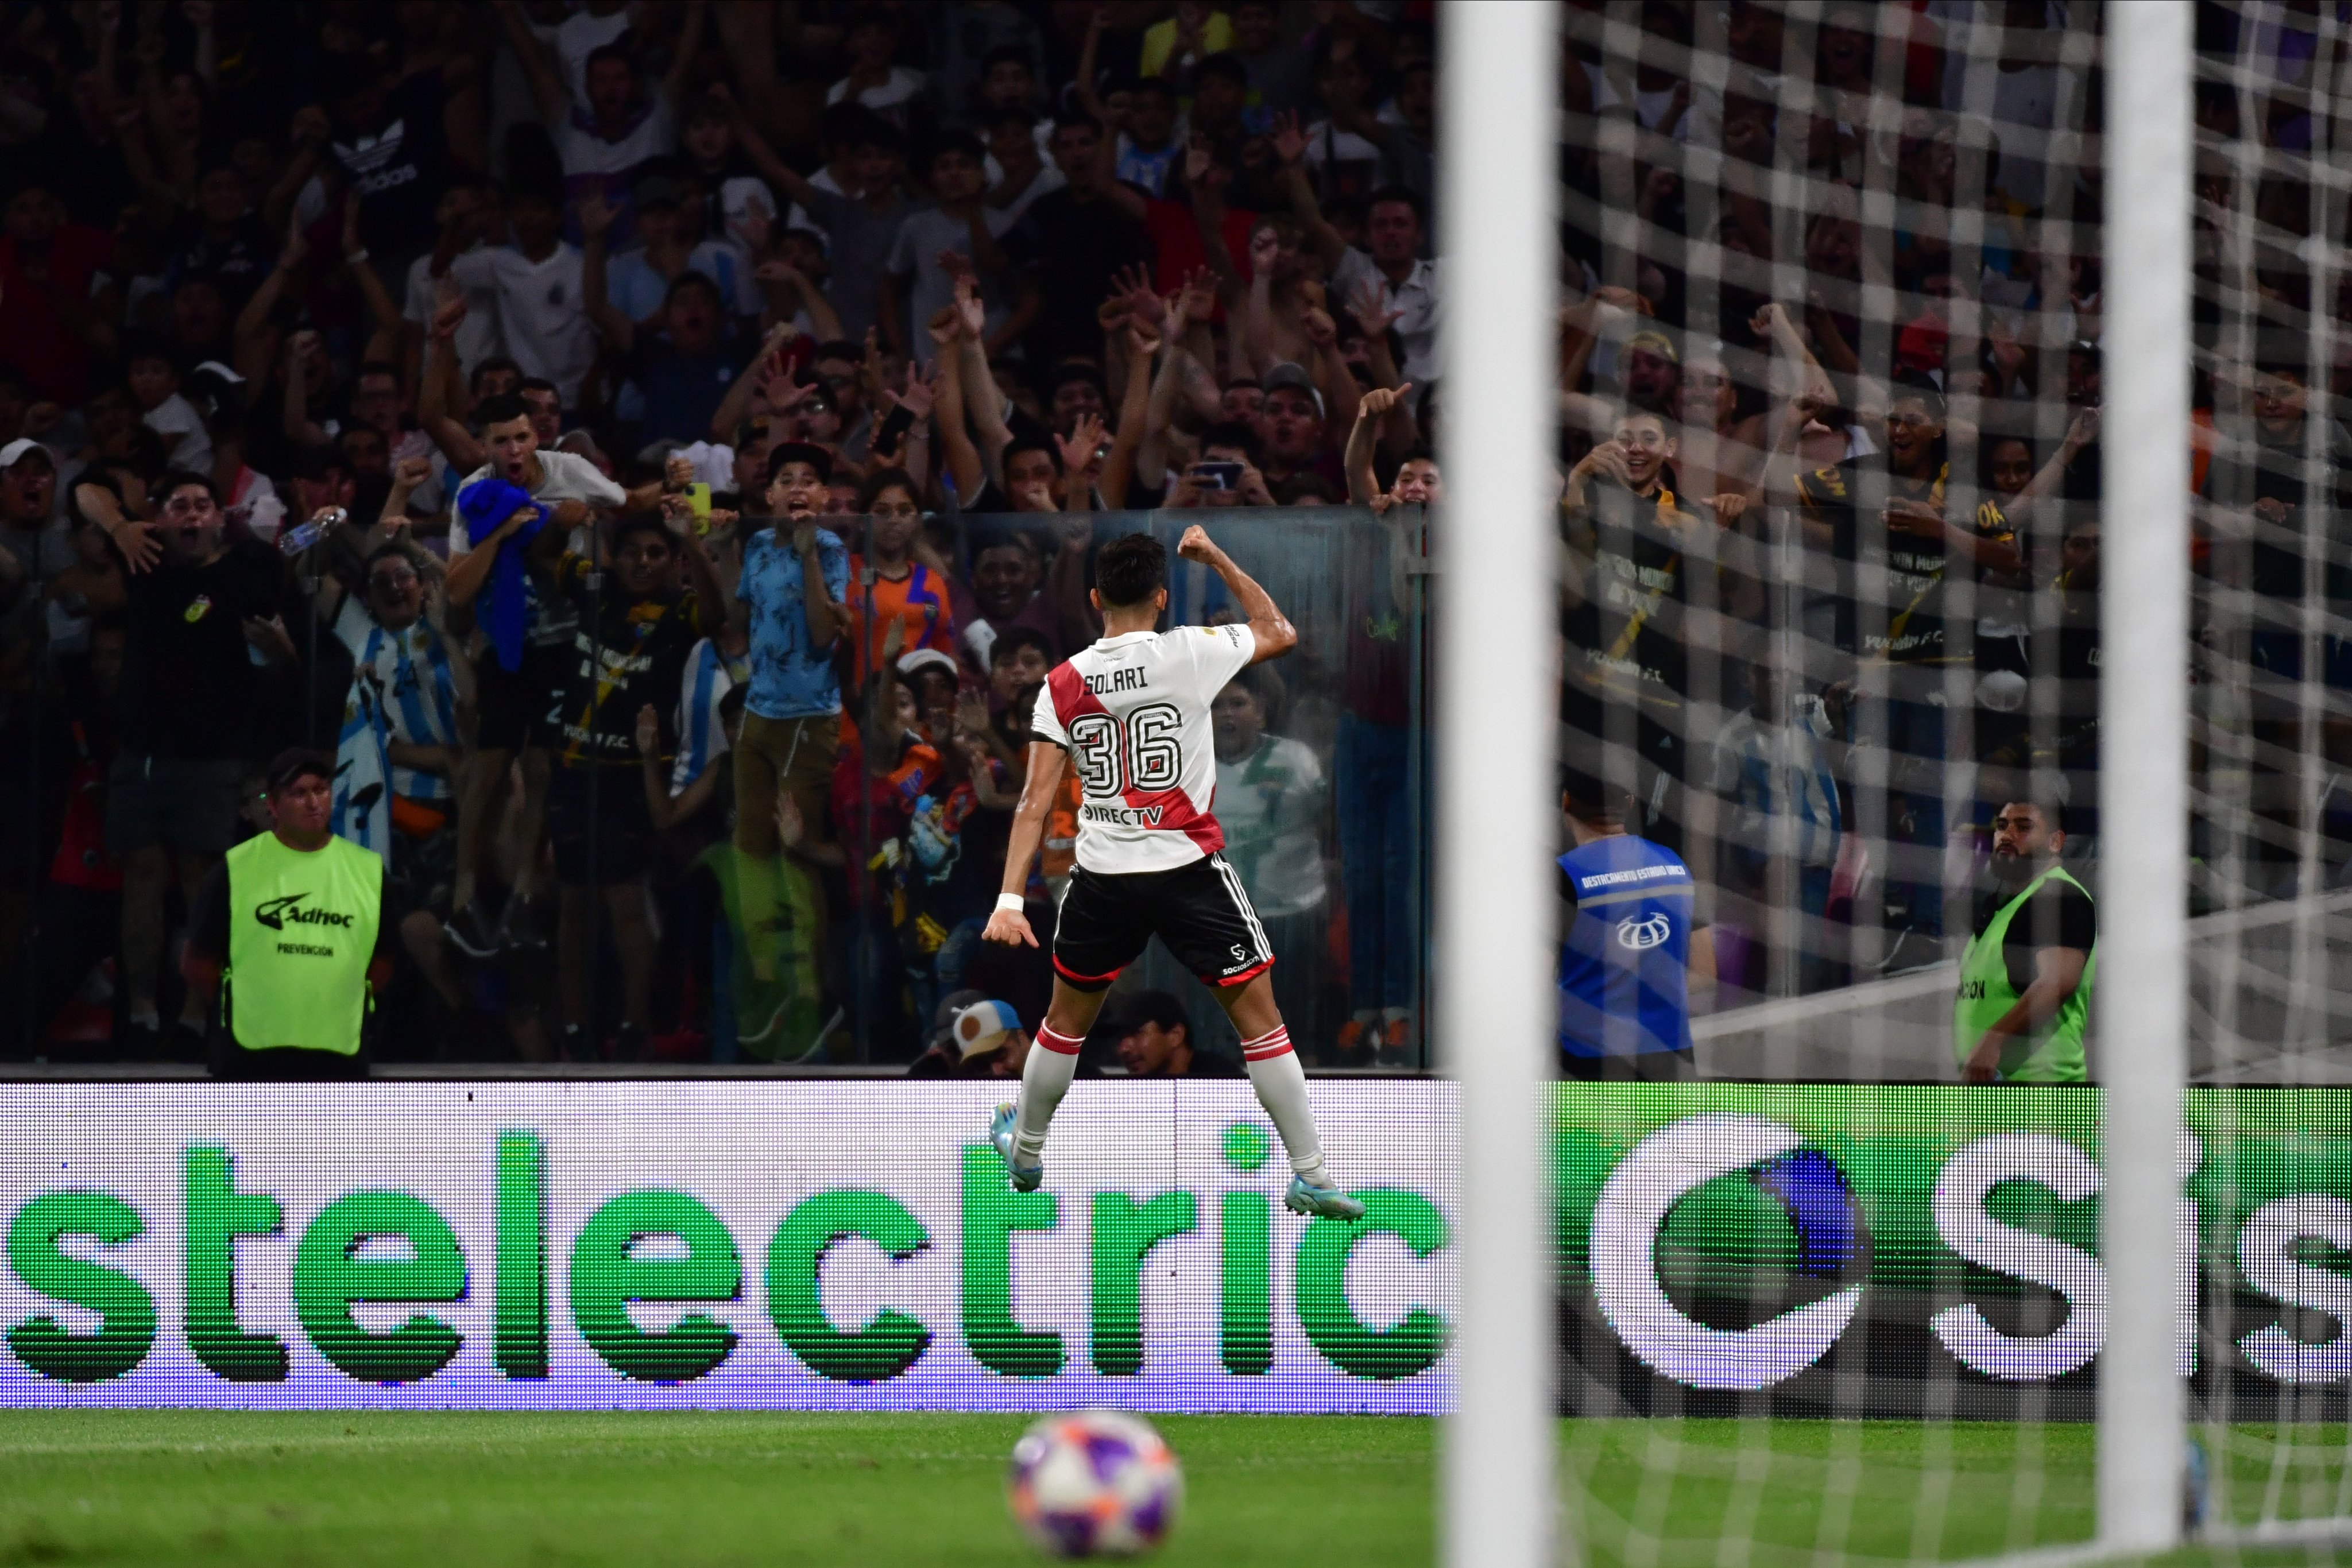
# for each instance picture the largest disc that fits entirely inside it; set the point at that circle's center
(917, 660)
(16, 451)
(982, 1027)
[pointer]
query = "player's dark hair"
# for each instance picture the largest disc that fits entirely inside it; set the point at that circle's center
(1130, 570)
(497, 409)
(537, 384)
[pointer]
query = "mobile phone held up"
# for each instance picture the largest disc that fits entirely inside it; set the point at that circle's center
(1216, 475)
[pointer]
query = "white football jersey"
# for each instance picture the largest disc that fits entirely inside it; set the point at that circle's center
(1133, 713)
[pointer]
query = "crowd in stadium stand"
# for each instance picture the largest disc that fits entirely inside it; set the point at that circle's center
(422, 381)
(646, 442)
(1829, 375)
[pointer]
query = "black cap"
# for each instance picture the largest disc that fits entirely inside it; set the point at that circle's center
(815, 456)
(293, 763)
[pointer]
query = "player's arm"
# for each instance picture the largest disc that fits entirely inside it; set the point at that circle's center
(1275, 635)
(1010, 924)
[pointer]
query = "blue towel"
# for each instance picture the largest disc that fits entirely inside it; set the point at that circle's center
(485, 504)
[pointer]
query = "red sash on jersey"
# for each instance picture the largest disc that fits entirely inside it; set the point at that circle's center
(1071, 699)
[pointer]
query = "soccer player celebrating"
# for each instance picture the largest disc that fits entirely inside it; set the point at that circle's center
(1132, 711)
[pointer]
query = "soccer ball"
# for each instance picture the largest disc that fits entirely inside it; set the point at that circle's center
(1094, 1483)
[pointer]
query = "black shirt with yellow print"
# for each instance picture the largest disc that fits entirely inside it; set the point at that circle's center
(1893, 605)
(629, 653)
(1627, 637)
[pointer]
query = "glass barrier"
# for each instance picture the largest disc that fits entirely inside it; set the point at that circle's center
(619, 828)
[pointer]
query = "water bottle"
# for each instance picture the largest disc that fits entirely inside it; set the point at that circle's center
(295, 541)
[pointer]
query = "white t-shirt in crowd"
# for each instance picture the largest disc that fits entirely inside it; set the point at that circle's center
(542, 313)
(1049, 179)
(653, 134)
(477, 335)
(1418, 296)
(186, 444)
(905, 83)
(563, 476)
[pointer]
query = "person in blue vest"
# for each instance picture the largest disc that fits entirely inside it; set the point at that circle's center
(1631, 948)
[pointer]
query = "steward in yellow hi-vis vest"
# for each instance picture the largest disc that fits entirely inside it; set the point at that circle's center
(2024, 998)
(288, 934)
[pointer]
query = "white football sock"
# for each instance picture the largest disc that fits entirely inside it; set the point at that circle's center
(1045, 1078)
(1281, 1085)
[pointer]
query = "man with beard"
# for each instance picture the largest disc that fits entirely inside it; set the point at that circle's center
(2025, 979)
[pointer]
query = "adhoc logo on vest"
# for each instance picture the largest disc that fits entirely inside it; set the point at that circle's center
(1641, 935)
(276, 913)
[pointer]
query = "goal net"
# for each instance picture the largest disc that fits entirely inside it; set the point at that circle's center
(1905, 517)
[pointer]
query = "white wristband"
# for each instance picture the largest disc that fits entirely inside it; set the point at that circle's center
(1012, 901)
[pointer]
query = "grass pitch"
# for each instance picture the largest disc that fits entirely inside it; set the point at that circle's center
(453, 1489)
(347, 1488)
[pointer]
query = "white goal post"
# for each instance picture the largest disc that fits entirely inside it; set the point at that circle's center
(1494, 769)
(1499, 82)
(2141, 1050)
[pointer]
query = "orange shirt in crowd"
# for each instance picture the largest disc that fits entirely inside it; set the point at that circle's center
(917, 601)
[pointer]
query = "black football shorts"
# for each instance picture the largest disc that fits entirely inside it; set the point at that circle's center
(1200, 911)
